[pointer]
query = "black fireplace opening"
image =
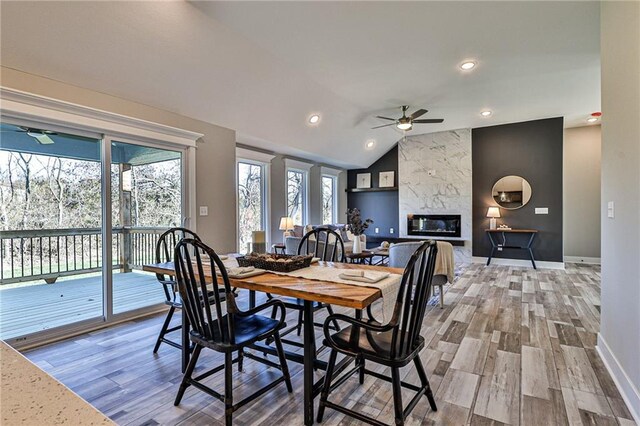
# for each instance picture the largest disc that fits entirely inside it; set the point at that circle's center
(436, 225)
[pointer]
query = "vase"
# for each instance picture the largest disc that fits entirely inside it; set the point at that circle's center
(357, 245)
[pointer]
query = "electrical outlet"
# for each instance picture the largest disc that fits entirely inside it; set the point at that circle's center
(377, 230)
(431, 172)
(391, 230)
(204, 211)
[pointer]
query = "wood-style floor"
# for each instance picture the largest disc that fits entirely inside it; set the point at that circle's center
(512, 346)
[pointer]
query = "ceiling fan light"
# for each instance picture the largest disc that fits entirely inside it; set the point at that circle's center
(41, 137)
(404, 126)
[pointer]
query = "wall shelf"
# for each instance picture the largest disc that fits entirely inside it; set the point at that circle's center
(395, 188)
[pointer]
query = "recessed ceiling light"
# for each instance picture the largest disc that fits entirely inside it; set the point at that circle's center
(592, 120)
(314, 119)
(467, 65)
(370, 144)
(486, 113)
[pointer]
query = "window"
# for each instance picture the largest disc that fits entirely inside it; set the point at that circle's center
(251, 202)
(329, 204)
(297, 195)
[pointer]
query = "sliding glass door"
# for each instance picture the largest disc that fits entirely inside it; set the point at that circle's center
(56, 212)
(51, 239)
(146, 200)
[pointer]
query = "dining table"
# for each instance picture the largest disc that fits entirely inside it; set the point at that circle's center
(357, 297)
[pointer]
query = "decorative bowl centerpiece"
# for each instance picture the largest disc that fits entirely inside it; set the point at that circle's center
(274, 262)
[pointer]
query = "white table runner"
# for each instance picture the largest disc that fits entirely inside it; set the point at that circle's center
(388, 286)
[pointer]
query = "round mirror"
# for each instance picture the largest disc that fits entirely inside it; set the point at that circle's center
(511, 192)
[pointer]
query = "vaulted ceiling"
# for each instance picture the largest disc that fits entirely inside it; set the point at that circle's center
(262, 68)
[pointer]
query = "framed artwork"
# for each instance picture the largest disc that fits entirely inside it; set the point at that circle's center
(363, 180)
(387, 179)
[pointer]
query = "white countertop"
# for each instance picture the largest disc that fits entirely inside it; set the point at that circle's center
(30, 396)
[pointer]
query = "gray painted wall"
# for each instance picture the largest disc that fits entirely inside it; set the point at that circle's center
(620, 298)
(278, 197)
(533, 150)
(582, 191)
(215, 155)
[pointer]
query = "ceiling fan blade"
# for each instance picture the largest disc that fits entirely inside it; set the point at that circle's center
(384, 125)
(385, 118)
(42, 139)
(418, 113)
(429, 120)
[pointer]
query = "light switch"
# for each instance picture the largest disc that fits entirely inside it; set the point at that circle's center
(610, 209)
(542, 210)
(391, 230)
(204, 211)
(377, 230)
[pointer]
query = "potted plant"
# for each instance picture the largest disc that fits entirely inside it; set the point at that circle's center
(357, 226)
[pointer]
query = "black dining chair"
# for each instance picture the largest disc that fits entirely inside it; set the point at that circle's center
(165, 248)
(327, 245)
(393, 345)
(219, 330)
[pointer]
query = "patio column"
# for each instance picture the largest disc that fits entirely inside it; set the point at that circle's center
(125, 216)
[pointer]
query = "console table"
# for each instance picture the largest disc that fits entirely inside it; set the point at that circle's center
(492, 233)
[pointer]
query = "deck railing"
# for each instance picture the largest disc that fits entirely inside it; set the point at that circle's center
(52, 253)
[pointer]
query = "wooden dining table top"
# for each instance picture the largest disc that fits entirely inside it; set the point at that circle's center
(350, 296)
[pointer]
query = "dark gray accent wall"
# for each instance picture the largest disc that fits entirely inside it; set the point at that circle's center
(382, 206)
(533, 150)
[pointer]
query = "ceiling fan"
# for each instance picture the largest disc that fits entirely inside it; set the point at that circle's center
(41, 136)
(406, 123)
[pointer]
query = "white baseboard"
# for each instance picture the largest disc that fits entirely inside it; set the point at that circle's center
(581, 259)
(521, 263)
(628, 390)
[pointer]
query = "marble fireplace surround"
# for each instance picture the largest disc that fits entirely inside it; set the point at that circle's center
(434, 177)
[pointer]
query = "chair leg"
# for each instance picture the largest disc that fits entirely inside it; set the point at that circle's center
(441, 297)
(240, 359)
(164, 328)
(334, 322)
(228, 388)
(425, 383)
(283, 361)
(299, 327)
(187, 374)
(397, 396)
(327, 384)
(361, 372)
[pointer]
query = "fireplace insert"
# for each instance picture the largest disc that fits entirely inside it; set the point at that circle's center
(440, 225)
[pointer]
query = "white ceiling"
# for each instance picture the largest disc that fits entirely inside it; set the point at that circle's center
(262, 68)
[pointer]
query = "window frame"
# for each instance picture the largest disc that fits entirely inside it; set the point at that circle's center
(304, 168)
(256, 158)
(334, 197)
(334, 174)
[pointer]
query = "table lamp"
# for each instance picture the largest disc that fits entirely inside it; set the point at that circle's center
(286, 225)
(492, 213)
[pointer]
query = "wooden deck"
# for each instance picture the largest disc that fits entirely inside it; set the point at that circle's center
(32, 308)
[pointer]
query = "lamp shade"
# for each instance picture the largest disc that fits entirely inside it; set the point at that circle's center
(286, 223)
(493, 212)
